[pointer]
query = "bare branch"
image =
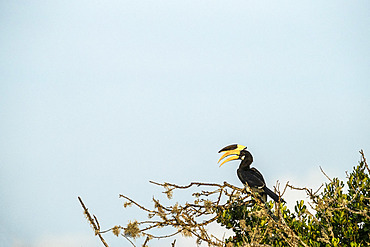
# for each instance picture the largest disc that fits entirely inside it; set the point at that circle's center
(123, 235)
(364, 160)
(92, 223)
(326, 175)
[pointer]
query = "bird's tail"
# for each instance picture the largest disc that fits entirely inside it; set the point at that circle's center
(273, 195)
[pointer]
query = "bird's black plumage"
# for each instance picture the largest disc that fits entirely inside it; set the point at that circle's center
(249, 175)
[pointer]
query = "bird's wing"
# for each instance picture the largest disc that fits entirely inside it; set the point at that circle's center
(252, 176)
(257, 174)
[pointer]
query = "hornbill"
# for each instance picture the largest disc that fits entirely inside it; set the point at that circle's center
(247, 174)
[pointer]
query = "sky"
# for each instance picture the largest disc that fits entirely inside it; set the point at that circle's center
(99, 97)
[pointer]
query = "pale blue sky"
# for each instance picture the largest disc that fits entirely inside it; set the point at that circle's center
(99, 97)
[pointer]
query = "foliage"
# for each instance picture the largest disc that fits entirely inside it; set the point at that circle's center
(341, 217)
(338, 215)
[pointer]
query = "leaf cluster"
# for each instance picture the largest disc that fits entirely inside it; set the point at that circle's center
(340, 217)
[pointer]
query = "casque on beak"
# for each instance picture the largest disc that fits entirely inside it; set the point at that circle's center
(233, 149)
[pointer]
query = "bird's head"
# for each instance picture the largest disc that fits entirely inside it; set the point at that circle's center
(237, 152)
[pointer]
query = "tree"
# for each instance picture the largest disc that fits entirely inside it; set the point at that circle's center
(338, 215)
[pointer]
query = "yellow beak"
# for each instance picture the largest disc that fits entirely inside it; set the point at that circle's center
(232, 147)
(229, 159)
(231, 150)
(228, 153)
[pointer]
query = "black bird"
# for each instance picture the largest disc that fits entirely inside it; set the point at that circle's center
(247, 174)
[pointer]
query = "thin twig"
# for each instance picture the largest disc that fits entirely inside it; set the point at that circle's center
(364, 160)
(92, 222)
(137, 204)
(128, 239)
(146, 241)
(325, 174)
